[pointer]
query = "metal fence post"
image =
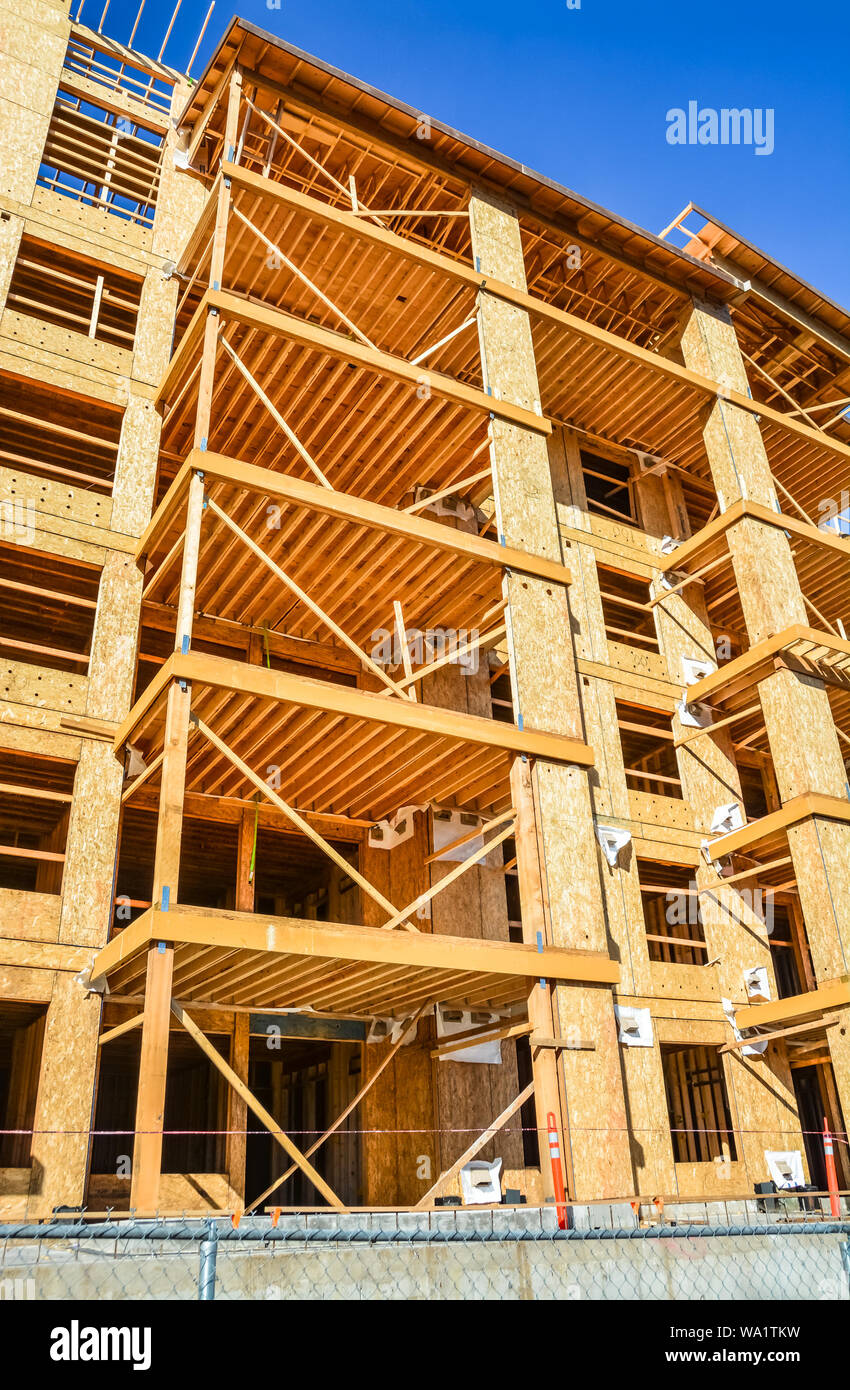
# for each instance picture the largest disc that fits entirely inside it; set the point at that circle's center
(206, 1273)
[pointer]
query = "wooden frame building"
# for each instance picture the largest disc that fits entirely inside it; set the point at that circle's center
(422, 626)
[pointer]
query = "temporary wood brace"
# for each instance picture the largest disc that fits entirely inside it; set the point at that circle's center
(473, 1036)
(425, 502)
(408, 1030)
(396, 918)
(264, 115)
(482, 642)
(120, 1029)
(718, 724)
(471, 835)
(476, 1147)
(451, 876)
(305, 279)
(274, 412)
(304, 598)
(213, 1055)
(817, 1001)
(153, 766)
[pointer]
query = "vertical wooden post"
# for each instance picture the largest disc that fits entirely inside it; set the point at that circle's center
(535, 929)
(150, 1104)
(237, 1118)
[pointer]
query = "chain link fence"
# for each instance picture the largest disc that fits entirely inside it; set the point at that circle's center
(444, 1256)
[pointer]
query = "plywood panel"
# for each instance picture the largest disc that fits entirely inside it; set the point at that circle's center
(546, 692)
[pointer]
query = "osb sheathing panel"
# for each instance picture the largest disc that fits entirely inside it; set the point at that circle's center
(470, 1095)
(51, 499)
(733, 440)
(113, 649)
(735, 934)
(598, 1112)
(177, 1192)
(54, 228)
(667, 812)
(156, 311)
(820, 851)
(649, 1126)
(609, 791)
(399, 1164)
(644, 690)
(181, 195)
(22, 137)
(15, 715)
(801, 733)
(47, 354)
(90, 850)
(31, 332)
(52, 15)
(11, 232)
(670, 981)
(697, 1028)
(32, 46)
(803, 743)
(36, 740)
(62, 373)
(61, 691)
(65, 1093)
(717, 1180)
(52, 542)
(14, 1190)
(28, 984)
(135, 472)
(636, 662)
(543, 667)
(29, 916)
(93, 221)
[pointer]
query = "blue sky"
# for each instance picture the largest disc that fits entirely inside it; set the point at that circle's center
(582, 96)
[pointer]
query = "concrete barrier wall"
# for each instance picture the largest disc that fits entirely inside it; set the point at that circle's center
(520, 1258)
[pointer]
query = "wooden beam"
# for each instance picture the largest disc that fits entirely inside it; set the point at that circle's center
(799, 808)
(226, 674)
(797, 1006)
(153, 1064)
(346, 507)
(275, 936)
(826, 1022)
(748, 664)
(230, 307)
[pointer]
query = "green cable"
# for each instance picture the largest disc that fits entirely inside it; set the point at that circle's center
(254, 846)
